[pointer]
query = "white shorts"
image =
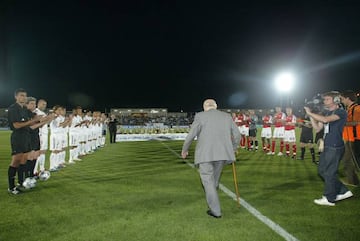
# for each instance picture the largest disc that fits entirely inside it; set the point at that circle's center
(244, 130)
(44, 142)
(289, 136)
(266, 132)
(73, 138)
(55, 142)
(279, 132)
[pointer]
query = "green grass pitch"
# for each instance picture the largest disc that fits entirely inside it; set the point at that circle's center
(144, 191)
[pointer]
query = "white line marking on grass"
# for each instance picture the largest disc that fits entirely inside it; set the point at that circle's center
(271, 224)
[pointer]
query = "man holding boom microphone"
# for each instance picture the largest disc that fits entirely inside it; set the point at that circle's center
(332, 122)
(217, 141)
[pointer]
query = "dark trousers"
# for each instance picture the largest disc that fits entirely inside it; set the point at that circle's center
(357, 151)
(328, 170)
(112, 136)
(349, 163)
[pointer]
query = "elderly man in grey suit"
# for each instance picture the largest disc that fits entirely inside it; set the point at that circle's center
(217, 141)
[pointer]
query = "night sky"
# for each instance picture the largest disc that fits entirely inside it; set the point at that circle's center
(174, 54)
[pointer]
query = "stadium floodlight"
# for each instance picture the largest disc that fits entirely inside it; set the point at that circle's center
(284, 81)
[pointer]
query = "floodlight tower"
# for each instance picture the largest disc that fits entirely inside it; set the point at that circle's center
(284, 83)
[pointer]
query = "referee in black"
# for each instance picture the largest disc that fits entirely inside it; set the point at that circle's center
(19, 122)
(112, 128)
(306, 139)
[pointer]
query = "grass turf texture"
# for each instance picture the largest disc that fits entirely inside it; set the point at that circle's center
(143, 191)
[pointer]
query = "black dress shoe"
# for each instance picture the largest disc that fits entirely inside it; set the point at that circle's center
(211, 214)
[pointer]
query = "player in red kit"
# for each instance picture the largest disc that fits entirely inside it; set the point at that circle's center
(266, 132)
(241, 123)
(289, 135)
(279, 120)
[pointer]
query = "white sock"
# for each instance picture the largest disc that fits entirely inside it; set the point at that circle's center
(42, 162)
(52, 160)
(71, 154)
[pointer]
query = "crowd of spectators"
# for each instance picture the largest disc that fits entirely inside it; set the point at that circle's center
(169, 121)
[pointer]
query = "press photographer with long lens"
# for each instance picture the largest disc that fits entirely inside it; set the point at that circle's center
(350, 134)
(332, 121)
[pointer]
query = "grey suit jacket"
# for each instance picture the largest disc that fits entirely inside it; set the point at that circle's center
(217, 137)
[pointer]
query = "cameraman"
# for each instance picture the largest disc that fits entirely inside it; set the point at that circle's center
(350, 134)
(332, 122)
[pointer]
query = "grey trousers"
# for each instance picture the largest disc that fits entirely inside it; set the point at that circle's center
(210, 173)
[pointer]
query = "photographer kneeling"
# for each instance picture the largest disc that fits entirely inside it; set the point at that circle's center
(332, 122)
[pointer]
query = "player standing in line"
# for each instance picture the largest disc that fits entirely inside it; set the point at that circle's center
(66, 122)
(240, 122)
(44, 137)
(266, 132)
(83, 132)
(253, 119)
(88, 118)
(34, 140)
(104, 126)
(289, 134)
(19, 122)
(55, 138)
(74, 133)
(81, 135)
(246, 129)
(279, 119)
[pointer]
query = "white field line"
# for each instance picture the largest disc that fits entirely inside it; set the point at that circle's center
(271, 224)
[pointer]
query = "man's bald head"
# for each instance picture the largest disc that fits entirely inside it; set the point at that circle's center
(209, 104)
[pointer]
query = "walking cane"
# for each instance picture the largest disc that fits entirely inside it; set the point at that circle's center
(235, 182)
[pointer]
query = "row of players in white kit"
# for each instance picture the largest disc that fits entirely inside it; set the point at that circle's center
(80, 134)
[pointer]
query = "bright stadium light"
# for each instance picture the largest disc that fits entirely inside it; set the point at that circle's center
(284, 82)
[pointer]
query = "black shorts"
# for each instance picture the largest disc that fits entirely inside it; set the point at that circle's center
(20, 142)
(252, 132)
(307, 138)
(35, 142)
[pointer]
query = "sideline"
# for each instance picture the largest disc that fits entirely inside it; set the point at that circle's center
(271, 224)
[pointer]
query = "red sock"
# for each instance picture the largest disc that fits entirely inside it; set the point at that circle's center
(294, 149)
(287, 146)
(273, 146)
(281, 146)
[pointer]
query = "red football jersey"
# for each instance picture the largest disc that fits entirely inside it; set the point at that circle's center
(290, 119)
(279, 119)
(267, 121)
